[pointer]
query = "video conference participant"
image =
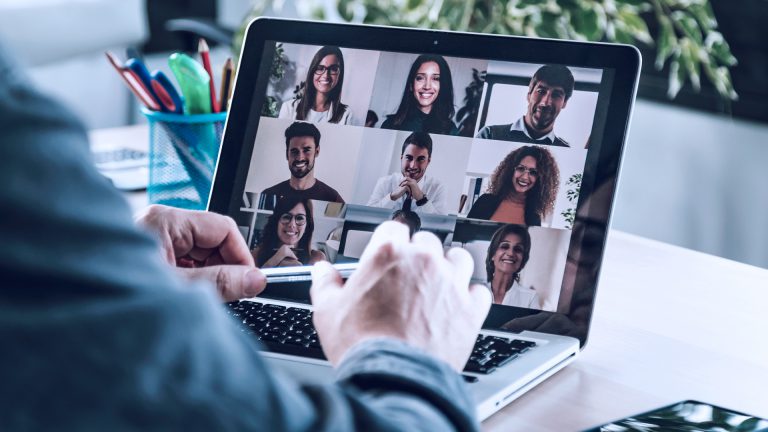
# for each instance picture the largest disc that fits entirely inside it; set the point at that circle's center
(411, 189)
(427, 102)
(287, 237)
(409, 218)
(302, 148)
(508, 253)
(522, 190)
(321, 101)
(548, 93)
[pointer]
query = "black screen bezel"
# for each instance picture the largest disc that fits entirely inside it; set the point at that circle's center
(603, 158)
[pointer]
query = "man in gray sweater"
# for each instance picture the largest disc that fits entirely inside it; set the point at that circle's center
(101, 333)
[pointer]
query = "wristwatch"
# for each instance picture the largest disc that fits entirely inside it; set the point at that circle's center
(422, 201)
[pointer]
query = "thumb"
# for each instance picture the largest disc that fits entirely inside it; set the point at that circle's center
(481, 301)
(233, 282)
(325, 279)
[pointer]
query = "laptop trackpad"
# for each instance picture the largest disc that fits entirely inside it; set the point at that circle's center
(303, 372)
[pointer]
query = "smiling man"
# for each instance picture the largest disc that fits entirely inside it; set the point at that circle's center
(548, 93)
(302, 148)
(411, 189)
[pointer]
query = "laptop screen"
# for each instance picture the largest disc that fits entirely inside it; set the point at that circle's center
(489, 155)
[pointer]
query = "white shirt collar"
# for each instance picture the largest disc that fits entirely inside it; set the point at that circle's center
(520, 126)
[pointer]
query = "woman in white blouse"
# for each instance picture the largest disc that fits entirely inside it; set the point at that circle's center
(508, 253)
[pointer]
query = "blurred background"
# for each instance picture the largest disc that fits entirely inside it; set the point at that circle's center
(694, 171)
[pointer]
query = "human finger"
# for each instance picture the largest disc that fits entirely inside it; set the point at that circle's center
(233, 282)
(463, 265)
(211, 230)
(325, 278)
(429, 241)
(481, 301)
(391, 232)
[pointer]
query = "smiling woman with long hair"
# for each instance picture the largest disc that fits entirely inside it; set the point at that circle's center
(507, 255)
(522, 190)
(427, 102)
(286, 239)
(321, 101)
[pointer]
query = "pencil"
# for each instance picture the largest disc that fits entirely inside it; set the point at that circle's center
(202, 48)
(226, 84)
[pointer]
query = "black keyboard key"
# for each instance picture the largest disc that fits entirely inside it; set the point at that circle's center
(478, 368)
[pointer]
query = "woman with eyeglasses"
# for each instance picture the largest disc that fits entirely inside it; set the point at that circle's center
(321, 100)
(508, 253)
(427, 102)
(522, 189)
(287, 237)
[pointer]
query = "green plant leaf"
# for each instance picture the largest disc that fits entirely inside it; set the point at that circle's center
(676, 75)
(690, 59)
(621, 33)
(587, 22)
(635, 25)
(704, 15)
(719, 49)
(688, 25)
(666, 42)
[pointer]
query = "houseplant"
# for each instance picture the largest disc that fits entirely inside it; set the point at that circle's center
(686, 36)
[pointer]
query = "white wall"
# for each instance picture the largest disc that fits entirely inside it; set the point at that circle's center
(697, 180)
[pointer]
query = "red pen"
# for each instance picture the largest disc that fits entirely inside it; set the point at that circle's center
(134, 83)
(202, 48)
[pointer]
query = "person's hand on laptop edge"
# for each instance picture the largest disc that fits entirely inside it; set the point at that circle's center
(404, 289)
(205, 245)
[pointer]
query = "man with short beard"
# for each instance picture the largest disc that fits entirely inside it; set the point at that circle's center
(548, 93)
(411, 189)
(302, 148)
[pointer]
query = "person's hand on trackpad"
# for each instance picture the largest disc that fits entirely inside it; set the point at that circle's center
(406, 289)
(205, 245)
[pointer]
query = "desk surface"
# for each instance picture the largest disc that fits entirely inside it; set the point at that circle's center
(669, 324)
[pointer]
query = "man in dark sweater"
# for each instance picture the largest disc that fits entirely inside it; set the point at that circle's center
(101, 333)
(548, 93)
(302, 148)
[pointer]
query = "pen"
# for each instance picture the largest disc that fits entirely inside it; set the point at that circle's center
(202, 48)
(134, 83)
(226, 84)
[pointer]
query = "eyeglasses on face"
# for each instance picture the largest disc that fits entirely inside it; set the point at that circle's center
(333, 69)
(520, 169)
(286, 218)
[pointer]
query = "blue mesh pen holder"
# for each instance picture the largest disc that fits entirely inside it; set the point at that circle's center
(183, 150)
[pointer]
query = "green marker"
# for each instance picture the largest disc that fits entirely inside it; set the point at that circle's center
(193, 81)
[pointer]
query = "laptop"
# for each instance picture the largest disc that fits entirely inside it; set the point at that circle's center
(507, 147)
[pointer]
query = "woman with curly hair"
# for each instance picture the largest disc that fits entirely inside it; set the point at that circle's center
(427, 102)
(508, 253)
(287, 237)
(321, 101)
(522, 190)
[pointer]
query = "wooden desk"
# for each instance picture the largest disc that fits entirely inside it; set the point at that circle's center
(669, 324)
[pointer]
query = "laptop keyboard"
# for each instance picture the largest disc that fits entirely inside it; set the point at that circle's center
(289, 330)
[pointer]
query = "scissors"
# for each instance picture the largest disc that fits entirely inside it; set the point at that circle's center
(159, 86)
